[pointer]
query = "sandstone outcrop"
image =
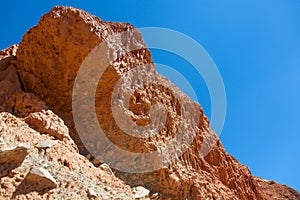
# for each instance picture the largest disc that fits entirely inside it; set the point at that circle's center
(57, 172)
(37, 79)
(12, 98)
(42, 165)
(273, 190)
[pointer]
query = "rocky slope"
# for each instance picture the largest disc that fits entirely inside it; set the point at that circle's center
(45, 155)
(38, 158)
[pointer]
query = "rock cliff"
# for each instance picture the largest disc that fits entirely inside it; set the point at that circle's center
(45, 155)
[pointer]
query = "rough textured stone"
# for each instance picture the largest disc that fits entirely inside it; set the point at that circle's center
(275, 191)
(6, 56)
(12, 98)
(45, 144)
(11, 152)
(36, 82)
(49, 123)
(140, 192)
(105, 167)
(73, 173)
(59, 43)
(12, 157)
(2, 142)
(40, 176)
(91, 193)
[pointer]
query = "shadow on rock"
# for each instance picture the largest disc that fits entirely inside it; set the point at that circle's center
(11, 158)
(37, 180)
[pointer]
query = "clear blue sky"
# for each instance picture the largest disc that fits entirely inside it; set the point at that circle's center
(254, 43)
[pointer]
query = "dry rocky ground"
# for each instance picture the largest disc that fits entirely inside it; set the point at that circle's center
(41, 153)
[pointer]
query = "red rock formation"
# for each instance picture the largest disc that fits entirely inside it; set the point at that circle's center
(60, 43)
(70, 175)
(38, 158)
(47, 62)
(12, 97)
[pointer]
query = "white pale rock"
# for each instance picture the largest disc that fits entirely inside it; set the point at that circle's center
(140, 192)
(2, 142)
(45, 144)
(44, 174)
(105, 167)
(92, 193)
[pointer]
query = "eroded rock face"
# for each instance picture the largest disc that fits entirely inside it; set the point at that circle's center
(56, 172)
(43, 162)
(272, 190)
(47, 62)
(60, 43)
(12, 98)
(48, 123)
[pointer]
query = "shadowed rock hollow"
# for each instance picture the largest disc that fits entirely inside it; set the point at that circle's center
(37, 79)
